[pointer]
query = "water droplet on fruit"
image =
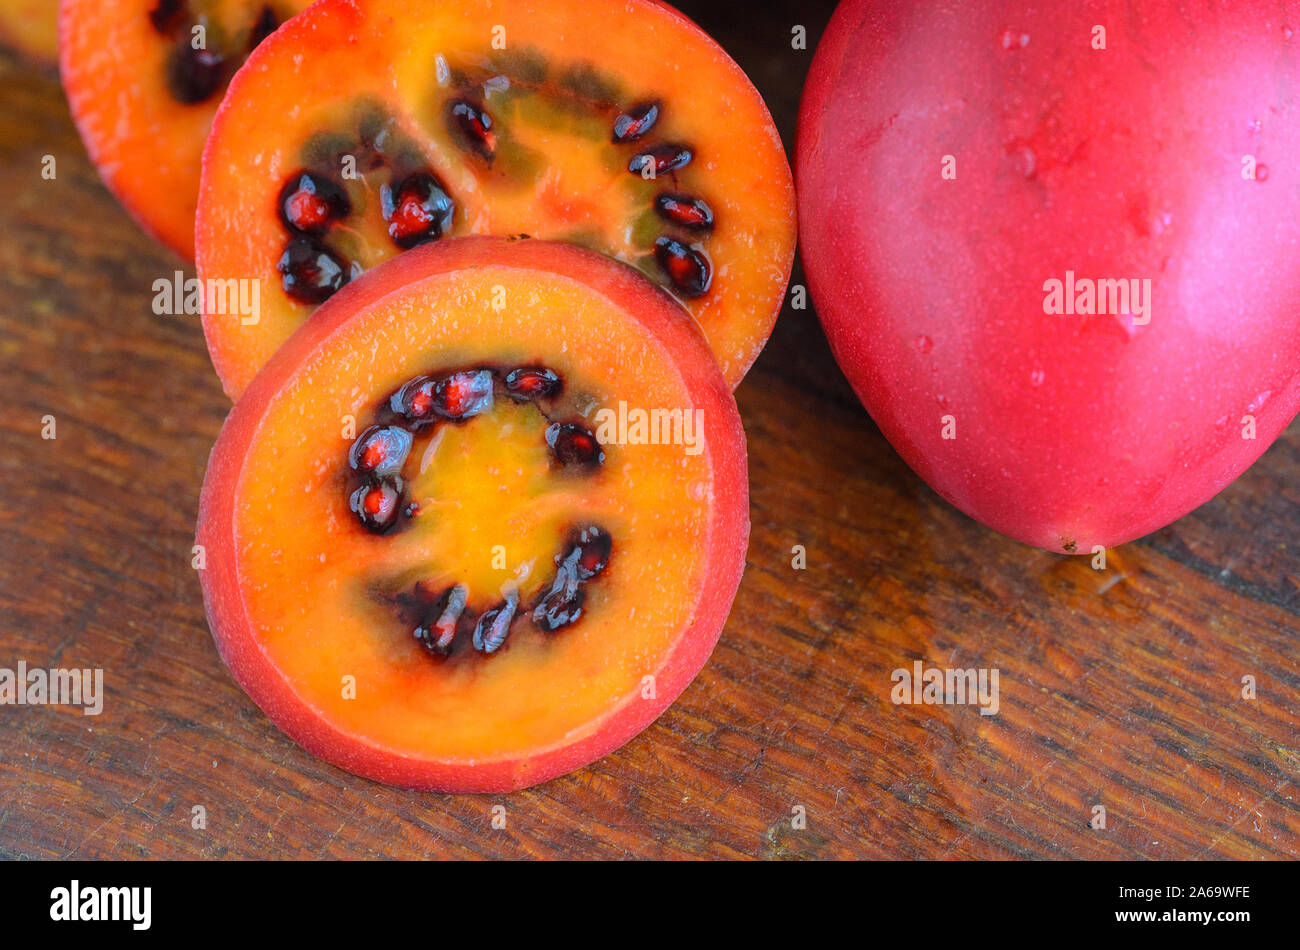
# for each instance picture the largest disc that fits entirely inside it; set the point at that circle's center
(924, 343)
(1036, 377)
(1287, 32)
(1022, 156)
(1010, 39)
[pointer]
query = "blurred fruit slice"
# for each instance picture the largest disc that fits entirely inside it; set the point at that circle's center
(143, 79)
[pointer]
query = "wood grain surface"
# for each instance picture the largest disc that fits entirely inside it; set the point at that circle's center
(1120, 688)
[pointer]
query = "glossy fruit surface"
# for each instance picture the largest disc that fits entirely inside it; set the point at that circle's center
(616, 126)
(436, 558)
(956, 159)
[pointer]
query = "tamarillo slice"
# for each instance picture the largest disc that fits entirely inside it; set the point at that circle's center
(617, 126)
(143, 79)
(417, 579)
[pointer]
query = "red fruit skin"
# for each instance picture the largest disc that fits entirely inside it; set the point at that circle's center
(727, 539)
(1071, 431)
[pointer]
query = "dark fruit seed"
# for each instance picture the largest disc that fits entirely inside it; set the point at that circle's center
(554, 612)
(437, 633)
(414, 401)
(474, 126)
(590, 550)
(194, 75)
(532, 382)
(586, 555)
(456, 398)
(662, 158)
(688, 269)
(380, 450)
(266, 24)
(494, 626)
(308, 203)
(378, 504)
(562, 604)
(167, 15)
(636, 122)
(312, 273)
(418, 210)
(463, 395)
(685, 211)
(573, 444)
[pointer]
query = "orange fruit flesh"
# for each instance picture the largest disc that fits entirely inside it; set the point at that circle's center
(567, 71)
(148, 146)
(311, 573)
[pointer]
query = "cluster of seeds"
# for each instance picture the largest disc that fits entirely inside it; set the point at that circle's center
(197, 75)
(687, 268)
(309, 270)
(379, 500)
(585, 555)
(444, 616)
(418, 208)
(414, 202)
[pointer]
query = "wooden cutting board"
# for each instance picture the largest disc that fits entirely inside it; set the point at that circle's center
(1119, 688)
